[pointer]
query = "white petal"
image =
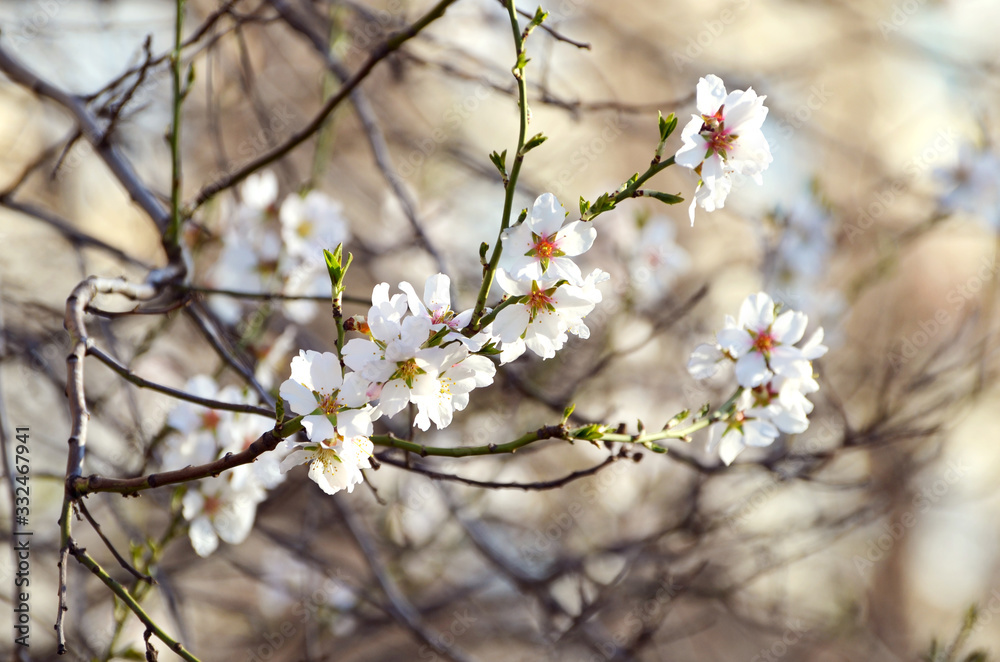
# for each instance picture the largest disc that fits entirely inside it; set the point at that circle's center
(203, 537)
(547, 215)
(751, 370)
(300, 398)
(704, 361)
(577, 238)
(711, 93)
(319, 427)
(731, 446)
(789, 327)
(736, 341)
(757, 312)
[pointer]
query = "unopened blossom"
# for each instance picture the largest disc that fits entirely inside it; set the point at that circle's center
(216, 510)
(541, 247)
(723, 139)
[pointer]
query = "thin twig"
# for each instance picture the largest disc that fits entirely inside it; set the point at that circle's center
(376, 139)
(486, 484)
(392, 44)
(398, 606)
(176, 393)
(92, 129)
(118, 557)
(88, 562)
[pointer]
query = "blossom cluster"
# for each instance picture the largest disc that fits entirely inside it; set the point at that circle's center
(536, 270)
(222, 507)
(416, 353)
(723, 140)
(269, 247)
(774, 376)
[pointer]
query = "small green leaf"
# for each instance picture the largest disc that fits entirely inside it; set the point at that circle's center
(665, 198)
(584, 206)
(279, 412)
(533, 142)
(591, 432)
(667, 126)
(567, 413)
(483, 247)
(540, 15)
(489, 349)
(500, 161)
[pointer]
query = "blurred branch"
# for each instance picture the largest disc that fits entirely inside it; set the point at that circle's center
(383, 51)
(399, 607)
(94, 132)
(380, 150)
(527, 487)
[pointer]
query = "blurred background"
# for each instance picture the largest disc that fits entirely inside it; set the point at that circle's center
(868, 537)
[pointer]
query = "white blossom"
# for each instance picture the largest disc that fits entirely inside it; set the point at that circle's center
(547, 311)
(540, 248)
(216, 510)
(764, 345)
(310, 224)
(723, 139)
(333, 405)
(332, 466)
(749, 426)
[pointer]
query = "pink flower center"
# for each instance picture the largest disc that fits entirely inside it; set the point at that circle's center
(212, 505)
(210, 420)
(328, 403)
(714, 131)
(441, 315)
(764, 342)
(545, 248)
(538, 300)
